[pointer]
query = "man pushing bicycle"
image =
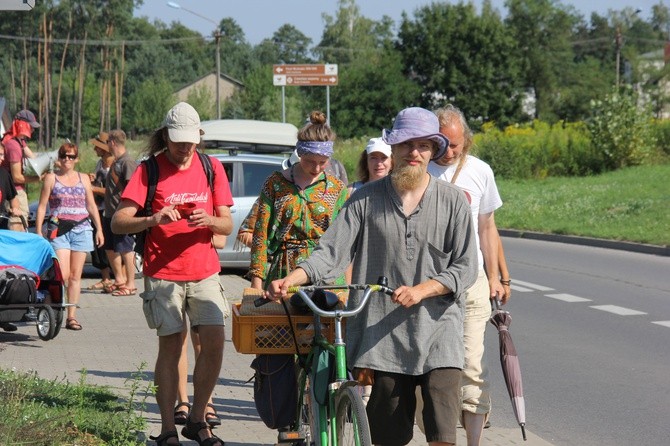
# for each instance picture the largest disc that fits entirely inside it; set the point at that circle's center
(417, 231)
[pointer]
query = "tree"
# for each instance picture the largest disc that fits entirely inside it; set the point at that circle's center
(460, 57)
(370, 94)
(543, 29)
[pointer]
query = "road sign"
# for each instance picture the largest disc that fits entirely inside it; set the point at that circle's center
(305, 69)
(305, 75)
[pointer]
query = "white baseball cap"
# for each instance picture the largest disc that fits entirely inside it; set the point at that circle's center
(183, 124)
(378, 145)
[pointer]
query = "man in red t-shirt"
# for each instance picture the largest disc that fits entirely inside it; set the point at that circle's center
(16, 149)
(181, 266)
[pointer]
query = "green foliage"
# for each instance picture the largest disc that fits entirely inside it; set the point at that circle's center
(57, 412)
(147, 106)
(369, 95)
(622, 130)
(662, 136)
(458, 56)
(538, 150)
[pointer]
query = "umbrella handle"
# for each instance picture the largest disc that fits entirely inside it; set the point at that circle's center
(497, 302)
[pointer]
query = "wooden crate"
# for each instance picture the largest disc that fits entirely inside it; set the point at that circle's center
(272, 334)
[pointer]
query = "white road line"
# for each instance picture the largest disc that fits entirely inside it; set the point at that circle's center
(531, 285)
(568, 298)
(520, 289)
(663, 323)
(621, 311)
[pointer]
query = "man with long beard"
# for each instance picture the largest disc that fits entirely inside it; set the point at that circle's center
(416, 231)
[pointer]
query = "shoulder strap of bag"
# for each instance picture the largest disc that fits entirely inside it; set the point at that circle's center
(206, 162)
(461, 162)
(152, 172)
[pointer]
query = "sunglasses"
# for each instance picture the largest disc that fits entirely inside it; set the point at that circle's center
(70, 157)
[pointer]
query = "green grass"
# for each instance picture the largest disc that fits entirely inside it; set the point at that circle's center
(35, 411)
(630, 204)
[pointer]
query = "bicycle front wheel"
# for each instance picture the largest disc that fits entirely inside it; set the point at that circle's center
(351, 420)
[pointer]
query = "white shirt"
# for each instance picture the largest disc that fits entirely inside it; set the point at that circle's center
(477, 181)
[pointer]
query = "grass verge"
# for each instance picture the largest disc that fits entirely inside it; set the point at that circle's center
(36, 411)
(630, 204)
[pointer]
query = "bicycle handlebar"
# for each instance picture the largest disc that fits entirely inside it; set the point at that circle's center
(302, 292)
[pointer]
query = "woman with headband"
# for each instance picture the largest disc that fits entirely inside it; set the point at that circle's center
(296, 206)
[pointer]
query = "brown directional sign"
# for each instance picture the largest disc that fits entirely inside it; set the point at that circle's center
(311, 80)
(304, 75)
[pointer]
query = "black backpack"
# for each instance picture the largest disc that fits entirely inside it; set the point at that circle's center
(151, 165)
(17, 286)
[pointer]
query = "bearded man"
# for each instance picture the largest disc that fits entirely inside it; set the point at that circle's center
(417, 231)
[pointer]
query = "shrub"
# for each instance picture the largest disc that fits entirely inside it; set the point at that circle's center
(538, 150)
(622, 130)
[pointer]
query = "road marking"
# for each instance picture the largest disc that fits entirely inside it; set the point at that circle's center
(568, 298)
(520, 289)
(532, 285)
(621, 311)
(663, 323)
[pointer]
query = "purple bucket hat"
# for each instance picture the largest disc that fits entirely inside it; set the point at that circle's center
(416, 123)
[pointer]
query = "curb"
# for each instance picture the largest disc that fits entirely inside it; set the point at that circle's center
(588, 241)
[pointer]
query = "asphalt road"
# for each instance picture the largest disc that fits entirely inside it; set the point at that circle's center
(591, 327)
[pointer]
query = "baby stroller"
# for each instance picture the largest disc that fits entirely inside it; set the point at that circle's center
(31, 283)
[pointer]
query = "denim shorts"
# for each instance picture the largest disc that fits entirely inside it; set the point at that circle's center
(78, 239)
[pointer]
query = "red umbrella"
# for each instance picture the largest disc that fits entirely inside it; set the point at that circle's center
(509, 360)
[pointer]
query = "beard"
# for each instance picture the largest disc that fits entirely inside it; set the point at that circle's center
(406, 177)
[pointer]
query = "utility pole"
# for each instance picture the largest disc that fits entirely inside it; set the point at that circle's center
(618, 41)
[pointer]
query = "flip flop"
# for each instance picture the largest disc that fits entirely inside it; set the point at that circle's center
(124, 291)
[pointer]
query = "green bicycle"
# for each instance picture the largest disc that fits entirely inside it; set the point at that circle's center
(330, 411)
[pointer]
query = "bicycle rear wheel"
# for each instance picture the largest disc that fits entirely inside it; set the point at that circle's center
(351, 419)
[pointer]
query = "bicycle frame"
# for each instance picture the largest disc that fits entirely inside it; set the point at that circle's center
(325, 415)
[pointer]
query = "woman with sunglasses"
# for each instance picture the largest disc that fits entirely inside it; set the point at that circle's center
(72, 207)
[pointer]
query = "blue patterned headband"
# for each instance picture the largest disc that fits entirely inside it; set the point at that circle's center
(324, 148)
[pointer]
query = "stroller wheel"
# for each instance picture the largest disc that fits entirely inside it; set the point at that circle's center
(46, 323)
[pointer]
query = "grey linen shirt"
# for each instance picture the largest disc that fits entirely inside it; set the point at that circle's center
(435, 242)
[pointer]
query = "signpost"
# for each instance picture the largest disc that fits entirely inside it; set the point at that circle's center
(302, 75)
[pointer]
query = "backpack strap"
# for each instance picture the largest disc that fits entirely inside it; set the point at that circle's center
(151, 165)
(206, 162)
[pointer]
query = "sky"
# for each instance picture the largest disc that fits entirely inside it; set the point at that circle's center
(259, 19)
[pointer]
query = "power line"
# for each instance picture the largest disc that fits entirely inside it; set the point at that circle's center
(100, 42)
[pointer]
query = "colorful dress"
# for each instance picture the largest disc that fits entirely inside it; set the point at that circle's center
(291, 221)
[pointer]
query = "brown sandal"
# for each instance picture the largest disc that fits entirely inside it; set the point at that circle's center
(72, 324)
(162, 439)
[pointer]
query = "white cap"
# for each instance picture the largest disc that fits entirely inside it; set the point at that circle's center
(378, 145)
(293, 159)
(183, 124)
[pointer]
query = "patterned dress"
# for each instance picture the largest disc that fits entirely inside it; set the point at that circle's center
(291, 221)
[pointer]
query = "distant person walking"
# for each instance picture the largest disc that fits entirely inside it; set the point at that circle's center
(98, 180)
(72, 208)
(16, 150)
(119, 247)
